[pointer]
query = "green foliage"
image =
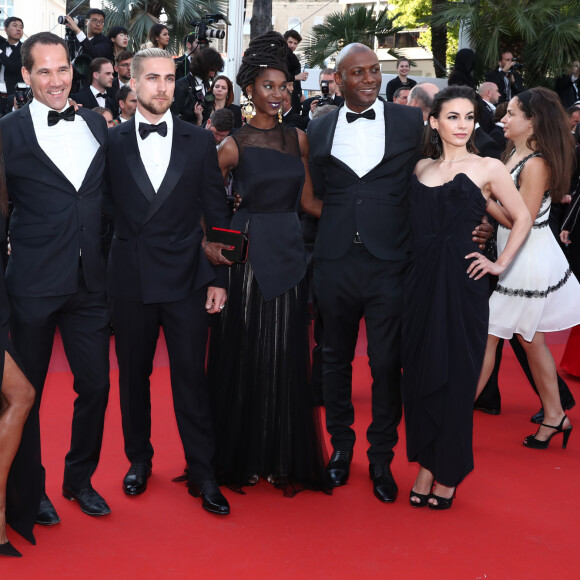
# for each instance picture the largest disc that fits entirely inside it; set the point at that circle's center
(355, 24)
(415, 14)
(543, 34)
(137, 16)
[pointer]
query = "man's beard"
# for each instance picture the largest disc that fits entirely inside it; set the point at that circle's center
(155, 108)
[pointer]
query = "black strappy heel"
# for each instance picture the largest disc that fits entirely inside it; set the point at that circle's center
(533, 443)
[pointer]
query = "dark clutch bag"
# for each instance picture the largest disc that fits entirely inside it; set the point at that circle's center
(238, 240)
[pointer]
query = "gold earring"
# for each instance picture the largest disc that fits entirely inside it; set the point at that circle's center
(249, 109)
(280, 115)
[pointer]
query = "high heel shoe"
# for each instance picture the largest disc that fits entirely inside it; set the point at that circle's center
(443, 503)
(422, 497)
(533, 443)
(8, 549)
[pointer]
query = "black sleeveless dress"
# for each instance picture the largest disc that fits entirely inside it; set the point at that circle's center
(258, 369)
(444, 328)
(26, 476)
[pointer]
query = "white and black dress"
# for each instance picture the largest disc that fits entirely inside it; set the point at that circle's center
(537, 292)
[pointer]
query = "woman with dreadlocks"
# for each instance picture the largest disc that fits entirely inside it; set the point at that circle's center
(265, 423)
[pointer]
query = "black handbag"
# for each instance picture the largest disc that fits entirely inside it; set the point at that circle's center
(237, 239)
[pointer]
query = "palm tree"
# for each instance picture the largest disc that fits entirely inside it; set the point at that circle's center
(544, 34)
(353, 25)
(139, 15)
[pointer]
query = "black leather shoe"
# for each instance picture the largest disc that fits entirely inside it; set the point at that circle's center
(538, 418)
(384, 486)
(135, 482)
(338, 468)
(89, 500)
(212, 499)
(486, 409)
(47, 515)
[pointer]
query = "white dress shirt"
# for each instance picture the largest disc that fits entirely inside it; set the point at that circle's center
(70, 145)
(360, 144)
(155, 150)
(101, 100)
(489, 105)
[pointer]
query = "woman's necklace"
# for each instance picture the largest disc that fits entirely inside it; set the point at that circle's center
(453, 160)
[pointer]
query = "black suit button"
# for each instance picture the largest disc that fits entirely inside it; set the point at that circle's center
(359, 201)
(78, 196)
(82, 228)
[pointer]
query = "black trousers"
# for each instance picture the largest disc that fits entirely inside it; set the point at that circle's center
(82, 319)
(185, 326)
(357, 285)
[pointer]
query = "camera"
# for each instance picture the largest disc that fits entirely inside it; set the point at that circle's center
(206, 100)
(80, 21)
(203, 34)
(22, 94)
(516, 66)
(325, 99)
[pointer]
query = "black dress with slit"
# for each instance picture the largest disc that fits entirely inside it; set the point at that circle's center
(445, 323)
(265, 422)
(26, 476)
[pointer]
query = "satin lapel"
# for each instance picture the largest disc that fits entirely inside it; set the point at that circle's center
(180, 149)
(32, 142)
(388, 113)
(99, 133)
(132, 159)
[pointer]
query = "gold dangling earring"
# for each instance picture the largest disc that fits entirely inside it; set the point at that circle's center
(249, 109)
(280, 115)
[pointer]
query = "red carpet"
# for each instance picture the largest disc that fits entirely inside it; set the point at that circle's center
(515, 516)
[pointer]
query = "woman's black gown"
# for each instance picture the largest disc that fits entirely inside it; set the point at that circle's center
(258, 369)
(26, 476)
(445, 323)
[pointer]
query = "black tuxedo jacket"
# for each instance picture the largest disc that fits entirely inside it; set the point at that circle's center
(12, 65)
(88, 100)
(156, 253)
(567, 90)
(52, 223)
(374, 205)
(98, 46)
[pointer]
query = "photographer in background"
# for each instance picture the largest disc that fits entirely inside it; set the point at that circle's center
(183, 63)
(328, 97)
(191, 96)
(293, 39)
(508, 80)
(221, 124)
(94, 43)
(10, 59)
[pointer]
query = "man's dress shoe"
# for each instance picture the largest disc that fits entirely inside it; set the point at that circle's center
(539, 416)
(212, 498)
(486, 409)
(338, 468)
(135, 482)
(89, 500)
(47, 515)
(384, 486)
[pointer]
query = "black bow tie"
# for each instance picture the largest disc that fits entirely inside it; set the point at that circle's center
(54, 116)
(370, 114)
(145, 129)
(103, 95)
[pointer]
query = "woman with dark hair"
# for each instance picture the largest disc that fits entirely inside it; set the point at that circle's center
(158, 37)
(21, 486)
(538, 293)
(265, 421)
(119, 38)
(446, 310)
(223, 91)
